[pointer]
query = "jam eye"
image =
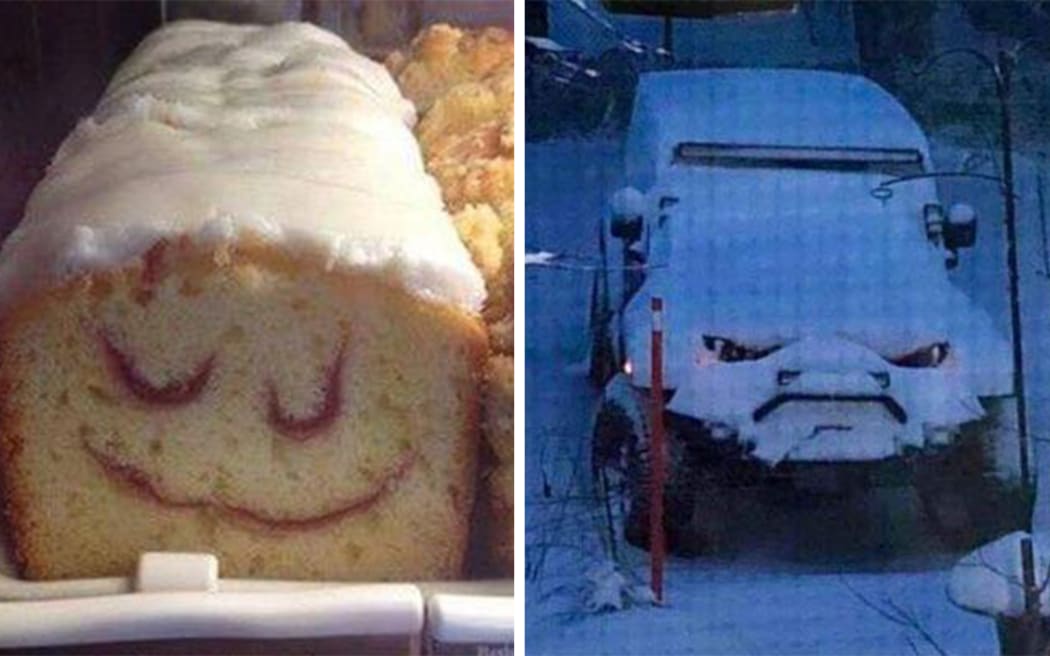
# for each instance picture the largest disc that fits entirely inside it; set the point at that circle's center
(729, 351)
(923, 358)
(173, 393)
(301, 429)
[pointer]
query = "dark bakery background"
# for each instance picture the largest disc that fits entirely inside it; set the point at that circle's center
(56, 58)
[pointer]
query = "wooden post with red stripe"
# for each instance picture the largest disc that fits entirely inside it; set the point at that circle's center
(657, 452)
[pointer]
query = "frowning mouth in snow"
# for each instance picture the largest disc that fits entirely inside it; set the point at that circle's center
(827, 399)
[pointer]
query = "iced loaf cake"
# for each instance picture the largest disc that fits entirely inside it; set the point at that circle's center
(462, 82)
(237, 318)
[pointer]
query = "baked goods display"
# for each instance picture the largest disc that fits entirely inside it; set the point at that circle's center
(237, 318)
(462, 82)
(497, 506)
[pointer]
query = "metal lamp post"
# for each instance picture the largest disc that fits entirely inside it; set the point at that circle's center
(1001, 69)
(1027, 633)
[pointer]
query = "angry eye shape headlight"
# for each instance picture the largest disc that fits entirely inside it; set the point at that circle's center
(923, 358)
(729, 351)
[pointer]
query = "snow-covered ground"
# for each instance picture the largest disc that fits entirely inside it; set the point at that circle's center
(834, 579)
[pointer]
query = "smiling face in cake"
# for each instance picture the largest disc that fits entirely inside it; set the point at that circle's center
(236, 318)
(246, 394)
(143, 476)
(297, 390)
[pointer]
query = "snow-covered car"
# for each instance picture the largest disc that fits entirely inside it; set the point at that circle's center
(790, 223)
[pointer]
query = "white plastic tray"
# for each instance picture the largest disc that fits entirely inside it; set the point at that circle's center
(181, 596)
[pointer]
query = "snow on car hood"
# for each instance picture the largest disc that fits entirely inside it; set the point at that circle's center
(827, 398)
(840, 292)
(774, 277)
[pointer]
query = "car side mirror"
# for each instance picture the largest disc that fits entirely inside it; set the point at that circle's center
(627, 207)
(960, 230)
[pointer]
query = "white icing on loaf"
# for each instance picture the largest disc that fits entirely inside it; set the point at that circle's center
(210, 130)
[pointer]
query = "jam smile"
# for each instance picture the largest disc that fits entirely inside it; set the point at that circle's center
(140, 482)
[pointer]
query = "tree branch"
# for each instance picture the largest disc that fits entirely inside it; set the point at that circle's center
(892, 612)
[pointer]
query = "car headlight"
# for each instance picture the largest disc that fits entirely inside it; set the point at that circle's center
(729, 351)
(923, 358)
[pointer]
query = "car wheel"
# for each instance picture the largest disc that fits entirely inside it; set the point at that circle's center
(695, 500)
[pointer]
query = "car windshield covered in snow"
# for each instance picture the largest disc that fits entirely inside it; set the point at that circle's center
(888, 161)
(769, 118)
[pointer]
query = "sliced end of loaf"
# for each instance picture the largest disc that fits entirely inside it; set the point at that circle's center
(296, 422)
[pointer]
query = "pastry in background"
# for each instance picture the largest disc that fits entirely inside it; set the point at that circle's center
(442, 56)
(462, 82)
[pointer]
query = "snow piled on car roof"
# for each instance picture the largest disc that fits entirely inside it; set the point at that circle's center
(780, 107)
